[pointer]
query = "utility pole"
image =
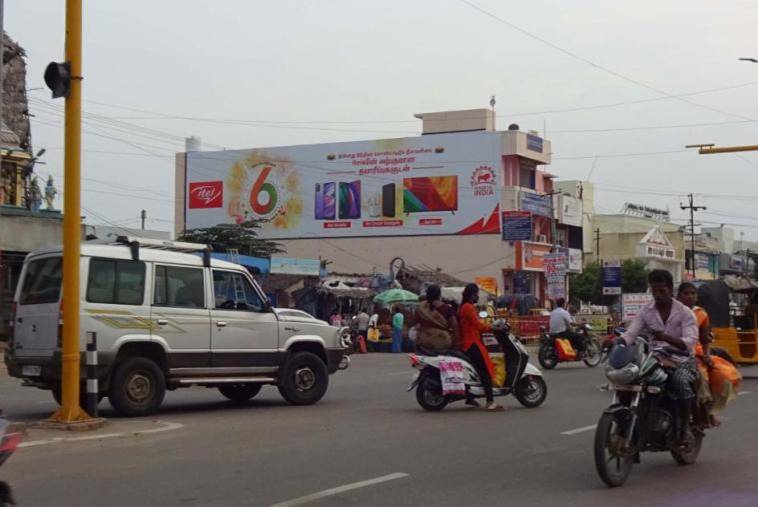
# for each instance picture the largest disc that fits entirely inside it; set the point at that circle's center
(597, 244)
(70, 411)
(143, 216)
(692, 209)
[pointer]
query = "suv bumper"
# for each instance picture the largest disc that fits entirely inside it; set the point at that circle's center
(336, 359)
(50, 368)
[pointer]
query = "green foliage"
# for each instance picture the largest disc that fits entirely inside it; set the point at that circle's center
(588, 285)
(243, 237)
(633, 276)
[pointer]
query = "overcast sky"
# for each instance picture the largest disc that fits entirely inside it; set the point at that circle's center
(297, 72)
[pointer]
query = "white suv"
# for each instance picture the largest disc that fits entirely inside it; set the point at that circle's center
(166, 318)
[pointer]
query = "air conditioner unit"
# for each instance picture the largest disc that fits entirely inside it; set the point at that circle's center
(541, 238)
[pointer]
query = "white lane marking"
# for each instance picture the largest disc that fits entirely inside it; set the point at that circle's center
(340, 489)
(579, 430)
(743, 393)
(167, 426)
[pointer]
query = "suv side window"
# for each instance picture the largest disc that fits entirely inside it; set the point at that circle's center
(118, 282)
(233, 291)
(42, 283)
(179, 287)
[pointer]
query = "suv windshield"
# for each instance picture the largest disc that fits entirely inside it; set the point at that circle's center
(42, 283)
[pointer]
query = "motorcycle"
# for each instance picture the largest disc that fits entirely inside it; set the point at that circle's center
(549, 356)
(522, 379)
(641, 418)
(608, 342)
(8, 444)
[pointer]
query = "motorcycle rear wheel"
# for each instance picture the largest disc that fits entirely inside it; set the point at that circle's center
(612, 467)
(593, 355)
(689, 457)
(546, 357)
(430, 396)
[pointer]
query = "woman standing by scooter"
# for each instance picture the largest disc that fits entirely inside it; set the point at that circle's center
(471, 343)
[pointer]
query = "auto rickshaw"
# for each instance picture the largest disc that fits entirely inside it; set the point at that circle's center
(732, 305)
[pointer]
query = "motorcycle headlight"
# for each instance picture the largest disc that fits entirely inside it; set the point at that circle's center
(624, 375)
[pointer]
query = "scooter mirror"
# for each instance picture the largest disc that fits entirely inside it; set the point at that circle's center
(483, 315)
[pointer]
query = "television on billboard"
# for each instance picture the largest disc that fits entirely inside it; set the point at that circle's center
(442, 184)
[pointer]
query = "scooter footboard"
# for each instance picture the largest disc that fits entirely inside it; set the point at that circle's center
(532, 370)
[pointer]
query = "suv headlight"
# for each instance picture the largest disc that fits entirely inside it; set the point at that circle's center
(345, 339)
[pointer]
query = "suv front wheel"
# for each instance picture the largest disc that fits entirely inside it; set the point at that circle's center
(138, 387)
(304, 379)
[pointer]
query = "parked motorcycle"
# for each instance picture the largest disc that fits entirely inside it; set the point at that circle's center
(641, 418)
(8, 444)
(549, 355)
(522, 379)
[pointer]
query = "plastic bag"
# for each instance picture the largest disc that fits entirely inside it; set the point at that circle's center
(498, 360)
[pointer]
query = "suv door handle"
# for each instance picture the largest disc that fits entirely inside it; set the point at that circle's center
(221, 323)
(292, 329)
(161, 322)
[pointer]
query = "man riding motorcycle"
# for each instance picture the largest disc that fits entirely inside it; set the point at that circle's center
(673, 331)
(561, 323)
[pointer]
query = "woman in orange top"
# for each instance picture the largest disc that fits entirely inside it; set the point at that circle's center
(471, 343)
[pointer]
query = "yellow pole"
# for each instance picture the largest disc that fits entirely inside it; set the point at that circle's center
(70, 410)
(705, 150)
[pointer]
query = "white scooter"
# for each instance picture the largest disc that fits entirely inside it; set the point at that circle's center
(522, 379)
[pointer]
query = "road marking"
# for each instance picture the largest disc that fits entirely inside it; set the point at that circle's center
(167, 426)
(579, 430)
(340, 489)
(743, 392)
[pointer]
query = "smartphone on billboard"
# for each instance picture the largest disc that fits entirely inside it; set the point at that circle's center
(388, 200)
(350, 200)
(318, 207)
(330, 201)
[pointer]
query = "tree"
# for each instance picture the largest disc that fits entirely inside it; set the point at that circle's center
(633, 276)
(587, 285)
(241, 236)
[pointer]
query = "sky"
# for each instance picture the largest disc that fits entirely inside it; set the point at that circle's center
(619, 87)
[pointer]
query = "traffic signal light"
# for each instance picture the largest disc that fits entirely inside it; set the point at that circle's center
(58, 78)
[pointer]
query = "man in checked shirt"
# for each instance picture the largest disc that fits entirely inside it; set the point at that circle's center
(672, 329)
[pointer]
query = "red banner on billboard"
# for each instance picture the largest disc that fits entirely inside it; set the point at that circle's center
(206, 194)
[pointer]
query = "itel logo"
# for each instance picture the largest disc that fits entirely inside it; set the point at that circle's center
(206, 194)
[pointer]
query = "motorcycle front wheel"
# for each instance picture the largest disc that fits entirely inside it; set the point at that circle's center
(689, 456)
(612, 465)
(430, 396)
(530, 391)
(592, 355)
(546, 357)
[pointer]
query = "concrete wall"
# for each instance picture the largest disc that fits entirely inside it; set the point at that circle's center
(24, 233)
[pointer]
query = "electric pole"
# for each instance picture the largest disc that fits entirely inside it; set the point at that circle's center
(597, 244)
(692, 209)
(143, 216)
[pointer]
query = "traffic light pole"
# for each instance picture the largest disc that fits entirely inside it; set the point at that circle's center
(70, 411)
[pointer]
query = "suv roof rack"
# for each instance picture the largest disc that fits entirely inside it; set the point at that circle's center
(135, 243)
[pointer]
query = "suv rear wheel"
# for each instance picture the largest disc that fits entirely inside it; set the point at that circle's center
(138, 387)
(239, 392)
(304, 379)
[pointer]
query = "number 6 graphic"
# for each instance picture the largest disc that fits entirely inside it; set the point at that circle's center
(261, 185)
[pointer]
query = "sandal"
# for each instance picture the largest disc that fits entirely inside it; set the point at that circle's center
(494, 407)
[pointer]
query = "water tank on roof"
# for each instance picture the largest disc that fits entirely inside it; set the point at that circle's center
(193, 144)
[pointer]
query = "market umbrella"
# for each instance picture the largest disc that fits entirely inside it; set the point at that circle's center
(391, 296)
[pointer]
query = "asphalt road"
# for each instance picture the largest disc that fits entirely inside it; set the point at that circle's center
(368, 428)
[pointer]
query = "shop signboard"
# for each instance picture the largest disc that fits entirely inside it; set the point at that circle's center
(533, 256)
(632, 303)
(536, 203)
(289, 266)
(556, 266)
(534, 143)
(574, 260)
(570, 210)
(517, 226)
(488, 283)
(445, 184)
(612, 277)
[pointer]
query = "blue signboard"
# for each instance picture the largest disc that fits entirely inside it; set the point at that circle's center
(534, 143)
(517, 226)
(537, 204)
(612, 277)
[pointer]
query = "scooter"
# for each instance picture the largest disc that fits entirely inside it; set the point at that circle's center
(522, 379)
(549, 356)
(8, 443)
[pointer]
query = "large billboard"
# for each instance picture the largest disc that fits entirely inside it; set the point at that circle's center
(441, 184)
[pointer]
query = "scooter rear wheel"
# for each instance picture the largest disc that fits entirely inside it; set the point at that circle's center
(530, 391)
(430, 396)
(546, 357)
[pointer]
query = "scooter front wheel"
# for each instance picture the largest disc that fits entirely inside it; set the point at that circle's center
(530, 391)
(429, 395)
(546, 357)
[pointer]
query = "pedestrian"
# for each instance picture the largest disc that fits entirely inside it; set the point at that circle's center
(362, 320)
(398, 319)
(336, 319)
